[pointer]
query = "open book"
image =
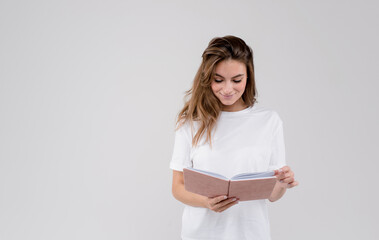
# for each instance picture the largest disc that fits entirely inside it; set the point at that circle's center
(244, 186)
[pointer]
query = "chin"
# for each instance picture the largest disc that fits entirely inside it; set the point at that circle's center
(227, 103)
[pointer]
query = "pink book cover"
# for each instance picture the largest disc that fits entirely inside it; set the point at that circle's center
(246, 186)
(252, 189)
(204, 184)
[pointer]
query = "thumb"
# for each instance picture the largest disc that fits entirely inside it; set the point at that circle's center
(278, 171)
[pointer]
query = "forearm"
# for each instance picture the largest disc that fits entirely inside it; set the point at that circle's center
(189, 198)
(278, 192)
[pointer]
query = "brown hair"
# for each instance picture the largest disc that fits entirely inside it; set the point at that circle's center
(203, 105)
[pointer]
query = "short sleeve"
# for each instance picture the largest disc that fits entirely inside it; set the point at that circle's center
(278, 158)
(182, 150)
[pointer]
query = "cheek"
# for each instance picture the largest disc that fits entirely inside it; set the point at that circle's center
(241, 87)
(214, 88)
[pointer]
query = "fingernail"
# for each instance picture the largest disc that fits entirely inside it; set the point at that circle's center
(225, 197)
(234, 199)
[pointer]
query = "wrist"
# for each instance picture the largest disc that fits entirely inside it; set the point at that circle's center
(282, 185)
(204, 202)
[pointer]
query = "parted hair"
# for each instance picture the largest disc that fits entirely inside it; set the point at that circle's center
(201, 104)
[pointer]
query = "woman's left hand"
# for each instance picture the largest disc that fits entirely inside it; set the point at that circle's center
(286, 177)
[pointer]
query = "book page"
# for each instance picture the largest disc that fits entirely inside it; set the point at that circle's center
(256, 175)
(209, 173)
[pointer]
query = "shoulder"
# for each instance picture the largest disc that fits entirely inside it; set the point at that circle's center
(184, 130)
(268, 113)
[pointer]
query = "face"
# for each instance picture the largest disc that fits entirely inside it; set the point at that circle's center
(228, 84)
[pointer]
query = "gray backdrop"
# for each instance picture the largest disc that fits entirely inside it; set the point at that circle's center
(89, 92)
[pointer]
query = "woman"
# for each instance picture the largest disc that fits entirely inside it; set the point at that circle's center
(239, 137)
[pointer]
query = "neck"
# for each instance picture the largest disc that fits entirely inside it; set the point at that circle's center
(237, 106)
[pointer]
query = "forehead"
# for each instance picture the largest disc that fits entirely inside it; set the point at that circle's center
(230, 67)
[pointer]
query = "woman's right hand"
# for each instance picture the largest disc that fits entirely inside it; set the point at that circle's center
(220, 203)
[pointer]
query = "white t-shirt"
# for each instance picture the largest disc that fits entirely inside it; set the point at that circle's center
(250, 140)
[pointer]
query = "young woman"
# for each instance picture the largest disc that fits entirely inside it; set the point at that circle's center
(222, 130)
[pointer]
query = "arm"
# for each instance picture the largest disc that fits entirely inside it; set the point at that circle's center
(278, 159)
(182, 195)
(278, 192)
(181, 158)
(285, 179)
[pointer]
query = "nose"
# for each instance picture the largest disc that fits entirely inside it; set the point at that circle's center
(228, 88)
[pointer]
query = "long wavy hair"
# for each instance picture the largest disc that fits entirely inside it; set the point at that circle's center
(200, 102)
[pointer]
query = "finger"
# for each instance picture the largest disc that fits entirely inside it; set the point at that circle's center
(278, 171)
(287, 175)
(281, 177)
(225, 202)
(293, 184)
(217, 206)
(227, 206)
(287, 180)
(286, 169)
(218, 199)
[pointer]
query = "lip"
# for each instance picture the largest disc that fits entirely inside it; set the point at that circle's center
(227, 96)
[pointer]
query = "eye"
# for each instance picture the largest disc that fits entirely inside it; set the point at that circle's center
(218, 81)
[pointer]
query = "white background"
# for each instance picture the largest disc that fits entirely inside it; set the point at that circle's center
(89, 92)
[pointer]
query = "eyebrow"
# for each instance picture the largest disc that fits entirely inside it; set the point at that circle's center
(238, 75)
